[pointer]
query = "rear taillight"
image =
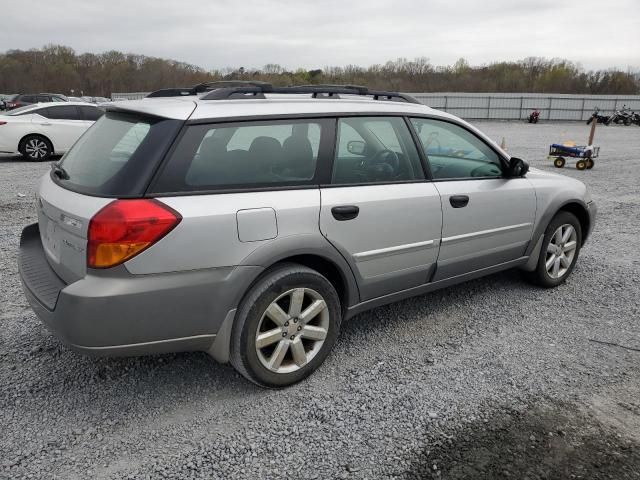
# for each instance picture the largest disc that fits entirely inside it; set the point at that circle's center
(124, 228)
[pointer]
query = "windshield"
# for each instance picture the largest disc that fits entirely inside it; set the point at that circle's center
(117, 154)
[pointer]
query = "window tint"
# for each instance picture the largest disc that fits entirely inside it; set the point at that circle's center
(454, 152)
(104, 150)
(266, 153)
(28, 98)
(43, 98)
(63, 112)
(58, 99)
(91, 113)
(373, 150)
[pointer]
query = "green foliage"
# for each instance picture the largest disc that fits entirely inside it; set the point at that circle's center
(57, 68)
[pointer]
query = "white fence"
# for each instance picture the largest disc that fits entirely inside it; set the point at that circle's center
(506, 106)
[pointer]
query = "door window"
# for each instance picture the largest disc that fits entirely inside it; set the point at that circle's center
(375, 150)
(454, 152)
(91, 113)
(63, 112)
(244, 155)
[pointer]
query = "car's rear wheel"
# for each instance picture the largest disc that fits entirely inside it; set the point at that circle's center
(35, 148)
(559, 253)
(285, 326)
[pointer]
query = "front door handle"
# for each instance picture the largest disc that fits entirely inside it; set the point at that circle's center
(459, 201)
(345, 212)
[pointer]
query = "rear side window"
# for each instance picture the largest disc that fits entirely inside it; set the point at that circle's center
(28, 99)
(117, 155)
(65, 112)
(91, 113)
(268, 153)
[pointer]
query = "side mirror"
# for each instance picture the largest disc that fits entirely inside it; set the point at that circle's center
(356, 147)
(518, 167)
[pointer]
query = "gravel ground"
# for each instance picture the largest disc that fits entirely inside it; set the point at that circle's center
(490, 379)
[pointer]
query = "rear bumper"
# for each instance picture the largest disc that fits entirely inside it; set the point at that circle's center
(111, 312)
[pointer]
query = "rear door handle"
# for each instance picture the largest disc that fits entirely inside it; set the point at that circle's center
(345, 212)
(459, 201)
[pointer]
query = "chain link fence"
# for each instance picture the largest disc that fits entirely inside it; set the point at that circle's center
(506, 106)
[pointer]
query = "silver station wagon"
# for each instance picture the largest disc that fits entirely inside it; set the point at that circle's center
(248, 221)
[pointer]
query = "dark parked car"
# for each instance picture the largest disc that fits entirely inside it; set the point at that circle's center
(22, 99)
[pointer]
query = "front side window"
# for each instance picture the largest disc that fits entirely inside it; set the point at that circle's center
(454, 152)
(375, 150)
(244, 155)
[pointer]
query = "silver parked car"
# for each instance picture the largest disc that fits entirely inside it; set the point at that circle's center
(249, 221)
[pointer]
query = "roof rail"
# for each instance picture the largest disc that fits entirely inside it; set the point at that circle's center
(258, 90)
(235, 89)
(203, 87)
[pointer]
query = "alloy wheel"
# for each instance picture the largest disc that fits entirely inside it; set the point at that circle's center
(292, 330)
(36, 148)
(561, 251)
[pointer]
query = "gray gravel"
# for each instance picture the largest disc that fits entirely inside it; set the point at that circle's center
(490, 379)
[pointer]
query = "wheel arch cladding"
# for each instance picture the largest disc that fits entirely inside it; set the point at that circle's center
(327, 269)
(315, 252)
(581, 214)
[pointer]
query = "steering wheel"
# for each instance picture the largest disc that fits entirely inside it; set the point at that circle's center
(383, 165)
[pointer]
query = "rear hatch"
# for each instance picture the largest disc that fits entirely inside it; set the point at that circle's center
(115, 158)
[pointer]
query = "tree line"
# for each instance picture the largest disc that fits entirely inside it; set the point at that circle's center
(58, 68)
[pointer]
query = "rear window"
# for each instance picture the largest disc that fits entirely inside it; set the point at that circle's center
(244, 155)
(117, 155)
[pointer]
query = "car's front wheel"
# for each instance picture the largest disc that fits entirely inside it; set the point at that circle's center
(285, 326)
(560, 249)
(35, 148)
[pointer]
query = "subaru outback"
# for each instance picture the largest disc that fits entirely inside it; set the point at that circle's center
(249, 221)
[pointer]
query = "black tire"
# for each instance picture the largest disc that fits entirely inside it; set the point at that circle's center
(35, 148)
(540, 276)
(275, 282)
(581, 164)
(559, 162)
(590, 163)
(627, 122)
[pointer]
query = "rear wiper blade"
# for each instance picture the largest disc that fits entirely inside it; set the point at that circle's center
(59, 171)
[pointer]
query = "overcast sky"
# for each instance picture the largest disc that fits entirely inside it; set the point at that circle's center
(313, 34)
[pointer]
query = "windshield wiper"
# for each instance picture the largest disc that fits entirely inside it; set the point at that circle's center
(59, 171)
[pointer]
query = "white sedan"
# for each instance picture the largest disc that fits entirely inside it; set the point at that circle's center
(44, 129)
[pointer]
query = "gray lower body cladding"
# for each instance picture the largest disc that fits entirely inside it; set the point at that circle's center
(112, 312)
